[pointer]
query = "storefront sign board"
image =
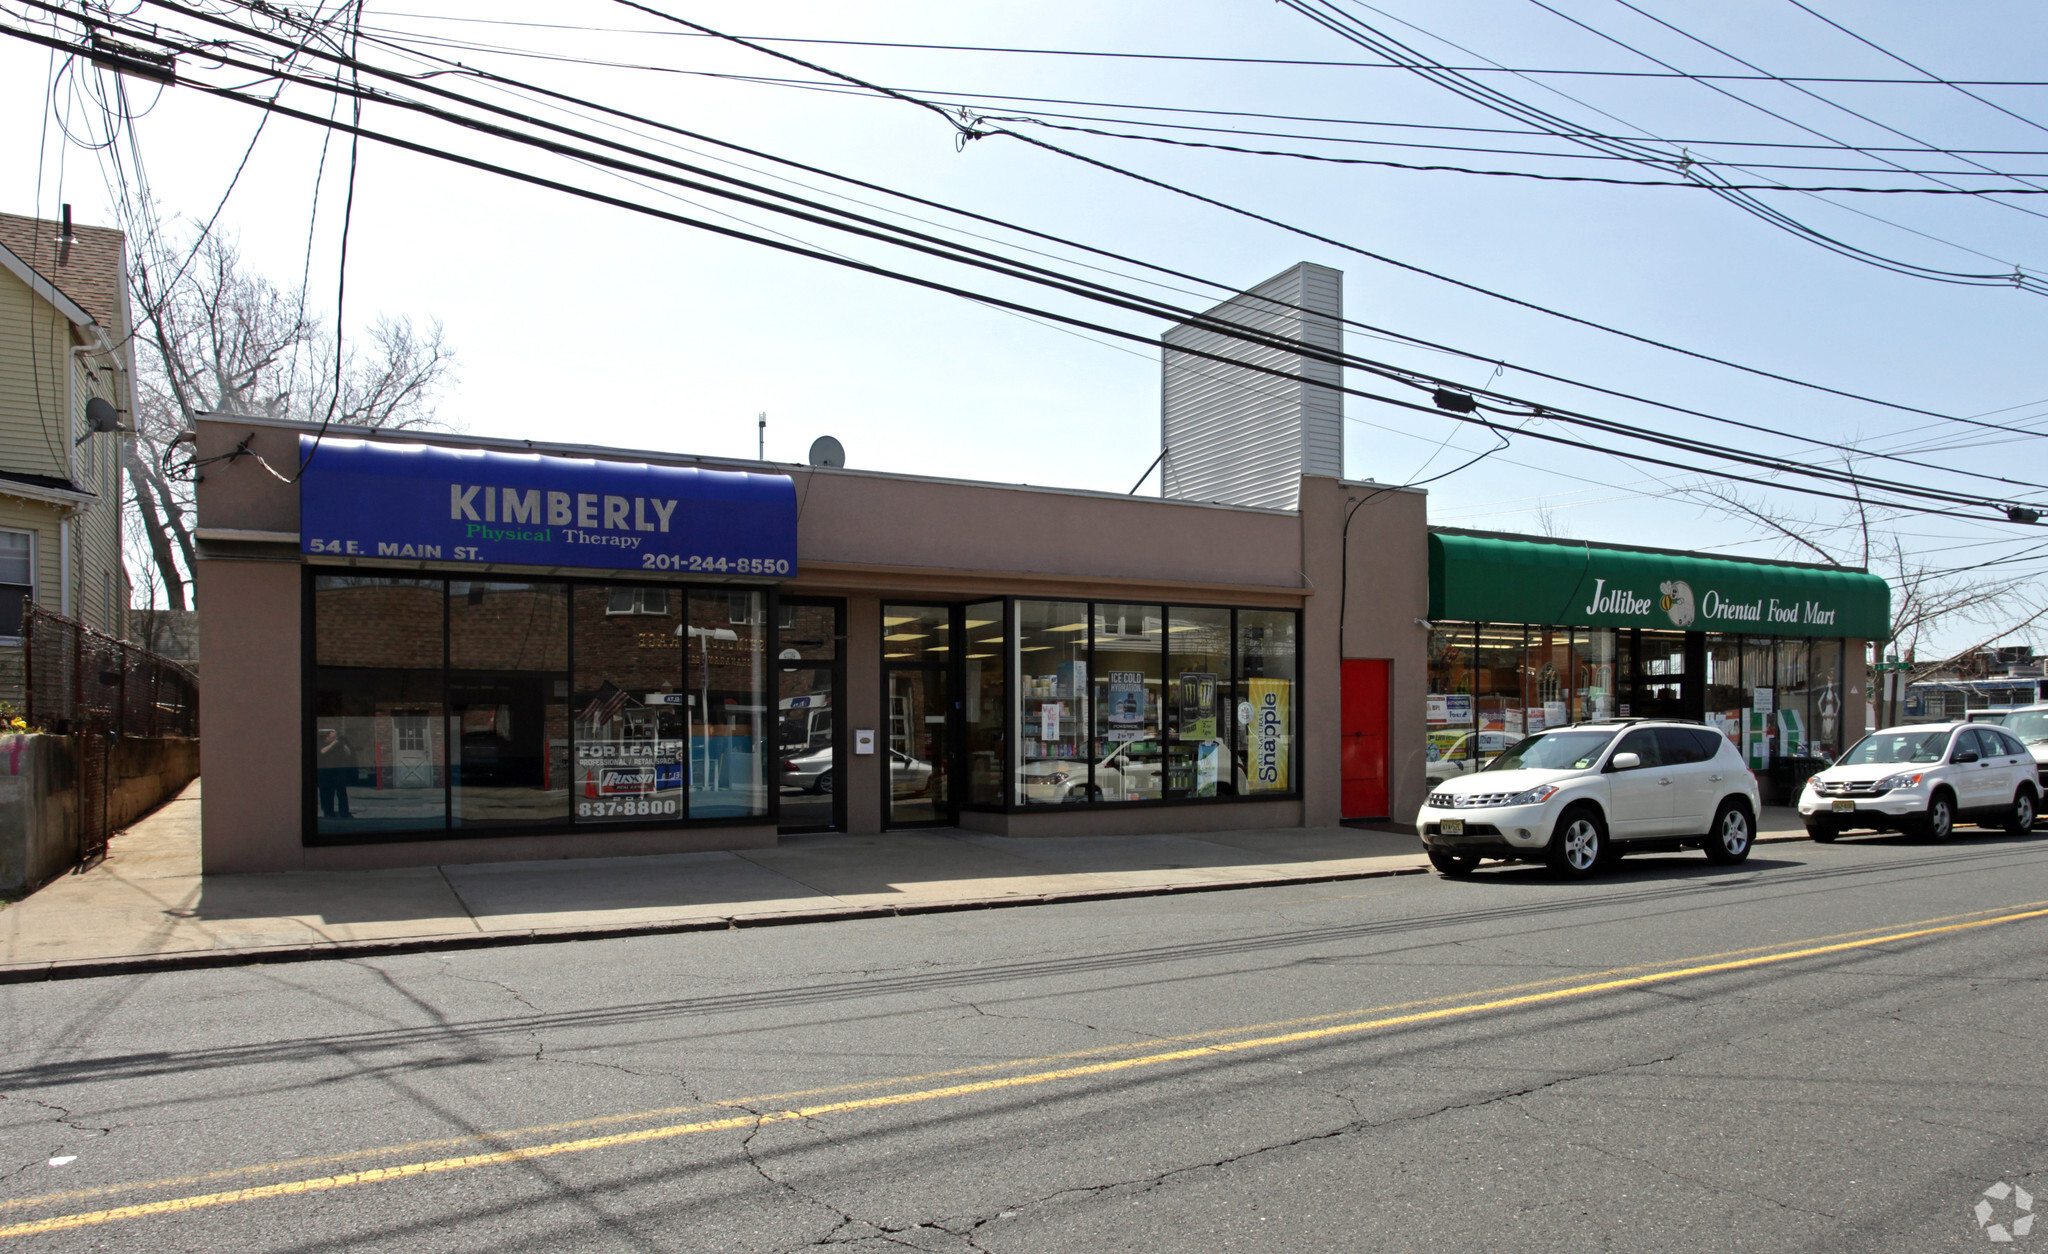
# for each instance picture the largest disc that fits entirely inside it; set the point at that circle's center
(364, 498)
(1506, 580)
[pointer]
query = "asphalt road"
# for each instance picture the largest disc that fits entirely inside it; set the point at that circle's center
(1654, 1060)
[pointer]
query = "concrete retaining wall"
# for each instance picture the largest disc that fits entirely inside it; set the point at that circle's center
(38, 809)
(39, 797)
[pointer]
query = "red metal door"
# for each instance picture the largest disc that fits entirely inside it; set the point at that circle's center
(1365, 738)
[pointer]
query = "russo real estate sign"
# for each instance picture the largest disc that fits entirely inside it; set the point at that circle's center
(422, 502)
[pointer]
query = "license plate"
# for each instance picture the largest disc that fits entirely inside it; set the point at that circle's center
(1451, 827)
(1845, 807)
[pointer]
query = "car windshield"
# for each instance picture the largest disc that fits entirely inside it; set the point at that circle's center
(1554, 751)
(1902, 746)
(2030, 726)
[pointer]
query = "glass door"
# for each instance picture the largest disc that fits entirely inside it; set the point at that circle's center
(810, 738)
(919, 742)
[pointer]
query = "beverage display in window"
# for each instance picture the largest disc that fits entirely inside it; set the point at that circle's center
(1269, 667)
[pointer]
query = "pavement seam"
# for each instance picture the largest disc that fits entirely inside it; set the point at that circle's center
(36, 973)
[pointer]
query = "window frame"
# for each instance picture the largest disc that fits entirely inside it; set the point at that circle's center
(1013, 740)
(34, 545)
(679, 592)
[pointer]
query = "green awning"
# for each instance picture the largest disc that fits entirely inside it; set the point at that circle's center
(1499, 580)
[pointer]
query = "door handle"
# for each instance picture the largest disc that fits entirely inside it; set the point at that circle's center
(1664, 780)
(1714, 779)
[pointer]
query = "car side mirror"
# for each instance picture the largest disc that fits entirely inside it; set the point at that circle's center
(1967, 755)
(1625, 761)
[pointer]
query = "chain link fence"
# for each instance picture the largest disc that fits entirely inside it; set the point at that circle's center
(78, 681)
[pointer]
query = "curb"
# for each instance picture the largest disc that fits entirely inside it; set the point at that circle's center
(203, 960)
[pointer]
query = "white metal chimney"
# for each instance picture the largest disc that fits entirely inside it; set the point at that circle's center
(1241, 436)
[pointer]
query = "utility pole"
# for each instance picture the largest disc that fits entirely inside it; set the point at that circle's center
(761, 449)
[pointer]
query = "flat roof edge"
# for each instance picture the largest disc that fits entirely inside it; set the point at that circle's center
(460, 439)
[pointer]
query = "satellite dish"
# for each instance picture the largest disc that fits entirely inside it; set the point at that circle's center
(826, 451)
(102, 417)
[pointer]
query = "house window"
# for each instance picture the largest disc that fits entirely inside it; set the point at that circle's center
(652, 601)
(17, 578)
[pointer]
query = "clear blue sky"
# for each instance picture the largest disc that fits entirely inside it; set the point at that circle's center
(578, 322)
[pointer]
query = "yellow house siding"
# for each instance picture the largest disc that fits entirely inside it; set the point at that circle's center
(35, 352)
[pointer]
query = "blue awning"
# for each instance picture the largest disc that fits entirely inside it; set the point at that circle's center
(405, 501)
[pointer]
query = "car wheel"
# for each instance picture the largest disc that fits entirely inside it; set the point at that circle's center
(2021, 820)
(825, 782)
(1455, 865)
(1729, 840)
(1824, 833)
(1939, 823)
(1578, 844)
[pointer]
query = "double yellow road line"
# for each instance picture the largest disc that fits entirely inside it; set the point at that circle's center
(1490, 1002)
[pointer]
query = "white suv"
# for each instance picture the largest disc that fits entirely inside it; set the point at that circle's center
(2030, 724)
(1580, 795)
(1922, 779)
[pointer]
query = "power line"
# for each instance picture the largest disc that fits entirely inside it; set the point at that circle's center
(1931, 75)
(1108, 295)
(1326, 14)
(1223, 60)
(984, 298)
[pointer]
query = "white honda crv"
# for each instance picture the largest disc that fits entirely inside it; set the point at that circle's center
(1924, 778)
(1580, 795)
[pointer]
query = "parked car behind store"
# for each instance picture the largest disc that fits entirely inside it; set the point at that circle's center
(1923, 779)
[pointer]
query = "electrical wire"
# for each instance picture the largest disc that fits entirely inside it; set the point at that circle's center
(1101, 293)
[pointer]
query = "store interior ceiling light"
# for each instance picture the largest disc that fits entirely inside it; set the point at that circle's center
(897, 620)
(1069, 627)
(908, 635)
(972, 623)
(981, 655)
(899, 655)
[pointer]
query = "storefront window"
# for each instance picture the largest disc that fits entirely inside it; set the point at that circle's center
(1593, 674)
(917, 633)
(1269, 667)
(1794, 731)
(628, 707)
(723, 672)
(1546, 679)
(1199, 703)
(1497, 688)
(379, 738)
(508, 703)
(1131, 763)
(1827, 699)
(1726, 696)
(1449, 742)
(982, 701)
(1051, 709)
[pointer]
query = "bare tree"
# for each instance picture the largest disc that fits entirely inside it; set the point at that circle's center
(217, 339)
(1928, 602)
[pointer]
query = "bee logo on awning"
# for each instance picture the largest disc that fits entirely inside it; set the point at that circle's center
(1677, 601)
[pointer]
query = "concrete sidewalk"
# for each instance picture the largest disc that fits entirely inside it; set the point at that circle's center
(147, 906)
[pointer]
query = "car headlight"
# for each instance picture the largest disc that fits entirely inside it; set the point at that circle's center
(1532, 797)
(1890, 782)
